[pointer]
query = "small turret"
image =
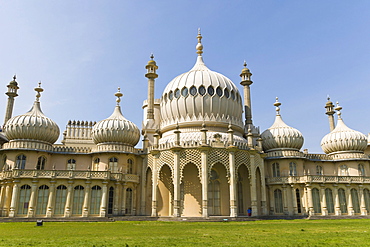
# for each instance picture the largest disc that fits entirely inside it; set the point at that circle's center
(151, 75)
(12, 93)
(330, 112)
(246, 82)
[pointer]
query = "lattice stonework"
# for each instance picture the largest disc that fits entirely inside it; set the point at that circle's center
(242, 157)
(190, 156)
(166, 157)
(150, 161)
(218, 156)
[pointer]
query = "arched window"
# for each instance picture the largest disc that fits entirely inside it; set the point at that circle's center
(78, 199)
(184, 91)
(278, 198)
(329, 200)
(113, 164)
(95, 199)
(20, 162)
(41, 163)
(71, 164)
(202, 90)
(342, 201)
(214, 197)
(343, 170)
(240, 195)
(319, 170)
(316, 200)
(367, 199)
(298, 198)
(361, 170)
(24, 198)
(219, 91)
(42, 199)
(130, 165)
(3, 163)
(355, 204)
(128, 201)
(276, 170)
(96, 164)
(292, 169)
(60, 200)
(110, 200)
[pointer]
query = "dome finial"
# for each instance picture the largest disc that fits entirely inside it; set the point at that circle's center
(151, 56)
(277, 104)
(245, 64)
(38, 89)
(338, 109)
(199, 46)
(14, 77)
(118, 95)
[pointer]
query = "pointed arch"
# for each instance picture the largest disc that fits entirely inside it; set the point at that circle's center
(218, 190)
(165, 191)
(191, 191)
(243, 189)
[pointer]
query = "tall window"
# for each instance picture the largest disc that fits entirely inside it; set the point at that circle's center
(42, 199)
(95, 199)
(343, 170)
(41, 163)
(96, 164)
(60, 199)
(367, 199)
(214, 203)
(110, 200)
(71, 164)
(298, 198)
(361, 170)
(3, 163)
(316, 200)
(113, 164)
(128, 201)
(20, 162)
(329, 200)
(276, 170)
(319, 170)
(78, 199)
(130, 164)
(240, 195)
(292, 169)
(278, 197)
(356, 205)
(342, 201)
(24, 198)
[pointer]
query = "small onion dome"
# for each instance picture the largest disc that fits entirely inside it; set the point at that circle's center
(343, 139)
(280, 135)
(116, 129)
(14, 82)
(33, 125)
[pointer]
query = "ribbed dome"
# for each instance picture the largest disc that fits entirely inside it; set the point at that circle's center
(343, 139)
(33, 125)
(281, 136)
(116, 130)
(200, 95)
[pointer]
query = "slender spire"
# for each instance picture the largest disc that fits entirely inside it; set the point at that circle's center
(329, 106)
(199, 46)
(118, 95)
(277, 104)
(338, 109)
(39, 90)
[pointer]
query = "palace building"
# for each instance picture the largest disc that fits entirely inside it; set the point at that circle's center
(200, 158)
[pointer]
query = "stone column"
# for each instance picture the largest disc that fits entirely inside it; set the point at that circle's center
(309, 200)
(294, 201)
(6, 199)
(2, 192)
(232, 181)
(134, 195)
(285, 201)
(103, 205)
(31, 207)
(13, 204)
(253, 187)
(349, 203)
(362, 200)
(324, 209)
(155, 184)
(143, 187)
(86, 204)
(272, 201)
(176, 184)
(123, 207)
(263, 190)
(336, 199)
(204, 161)
(68, 211)
(50, 207)
(117, 194)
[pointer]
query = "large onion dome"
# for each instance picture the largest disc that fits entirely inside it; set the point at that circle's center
(116, 129)
(280, 136)
(343, 139)
(33, 125)
(201, 96)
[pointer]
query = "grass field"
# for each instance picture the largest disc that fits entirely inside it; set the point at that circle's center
(157, 233)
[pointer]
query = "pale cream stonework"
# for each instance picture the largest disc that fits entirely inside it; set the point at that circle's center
(200, 158)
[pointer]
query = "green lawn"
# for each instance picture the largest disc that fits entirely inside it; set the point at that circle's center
(157, 233)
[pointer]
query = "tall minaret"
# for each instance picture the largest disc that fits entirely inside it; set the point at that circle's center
(330, 112)
(12, 93)
(246, 82)
(151, 75)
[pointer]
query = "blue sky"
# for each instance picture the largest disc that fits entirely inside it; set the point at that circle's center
(300, 51)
